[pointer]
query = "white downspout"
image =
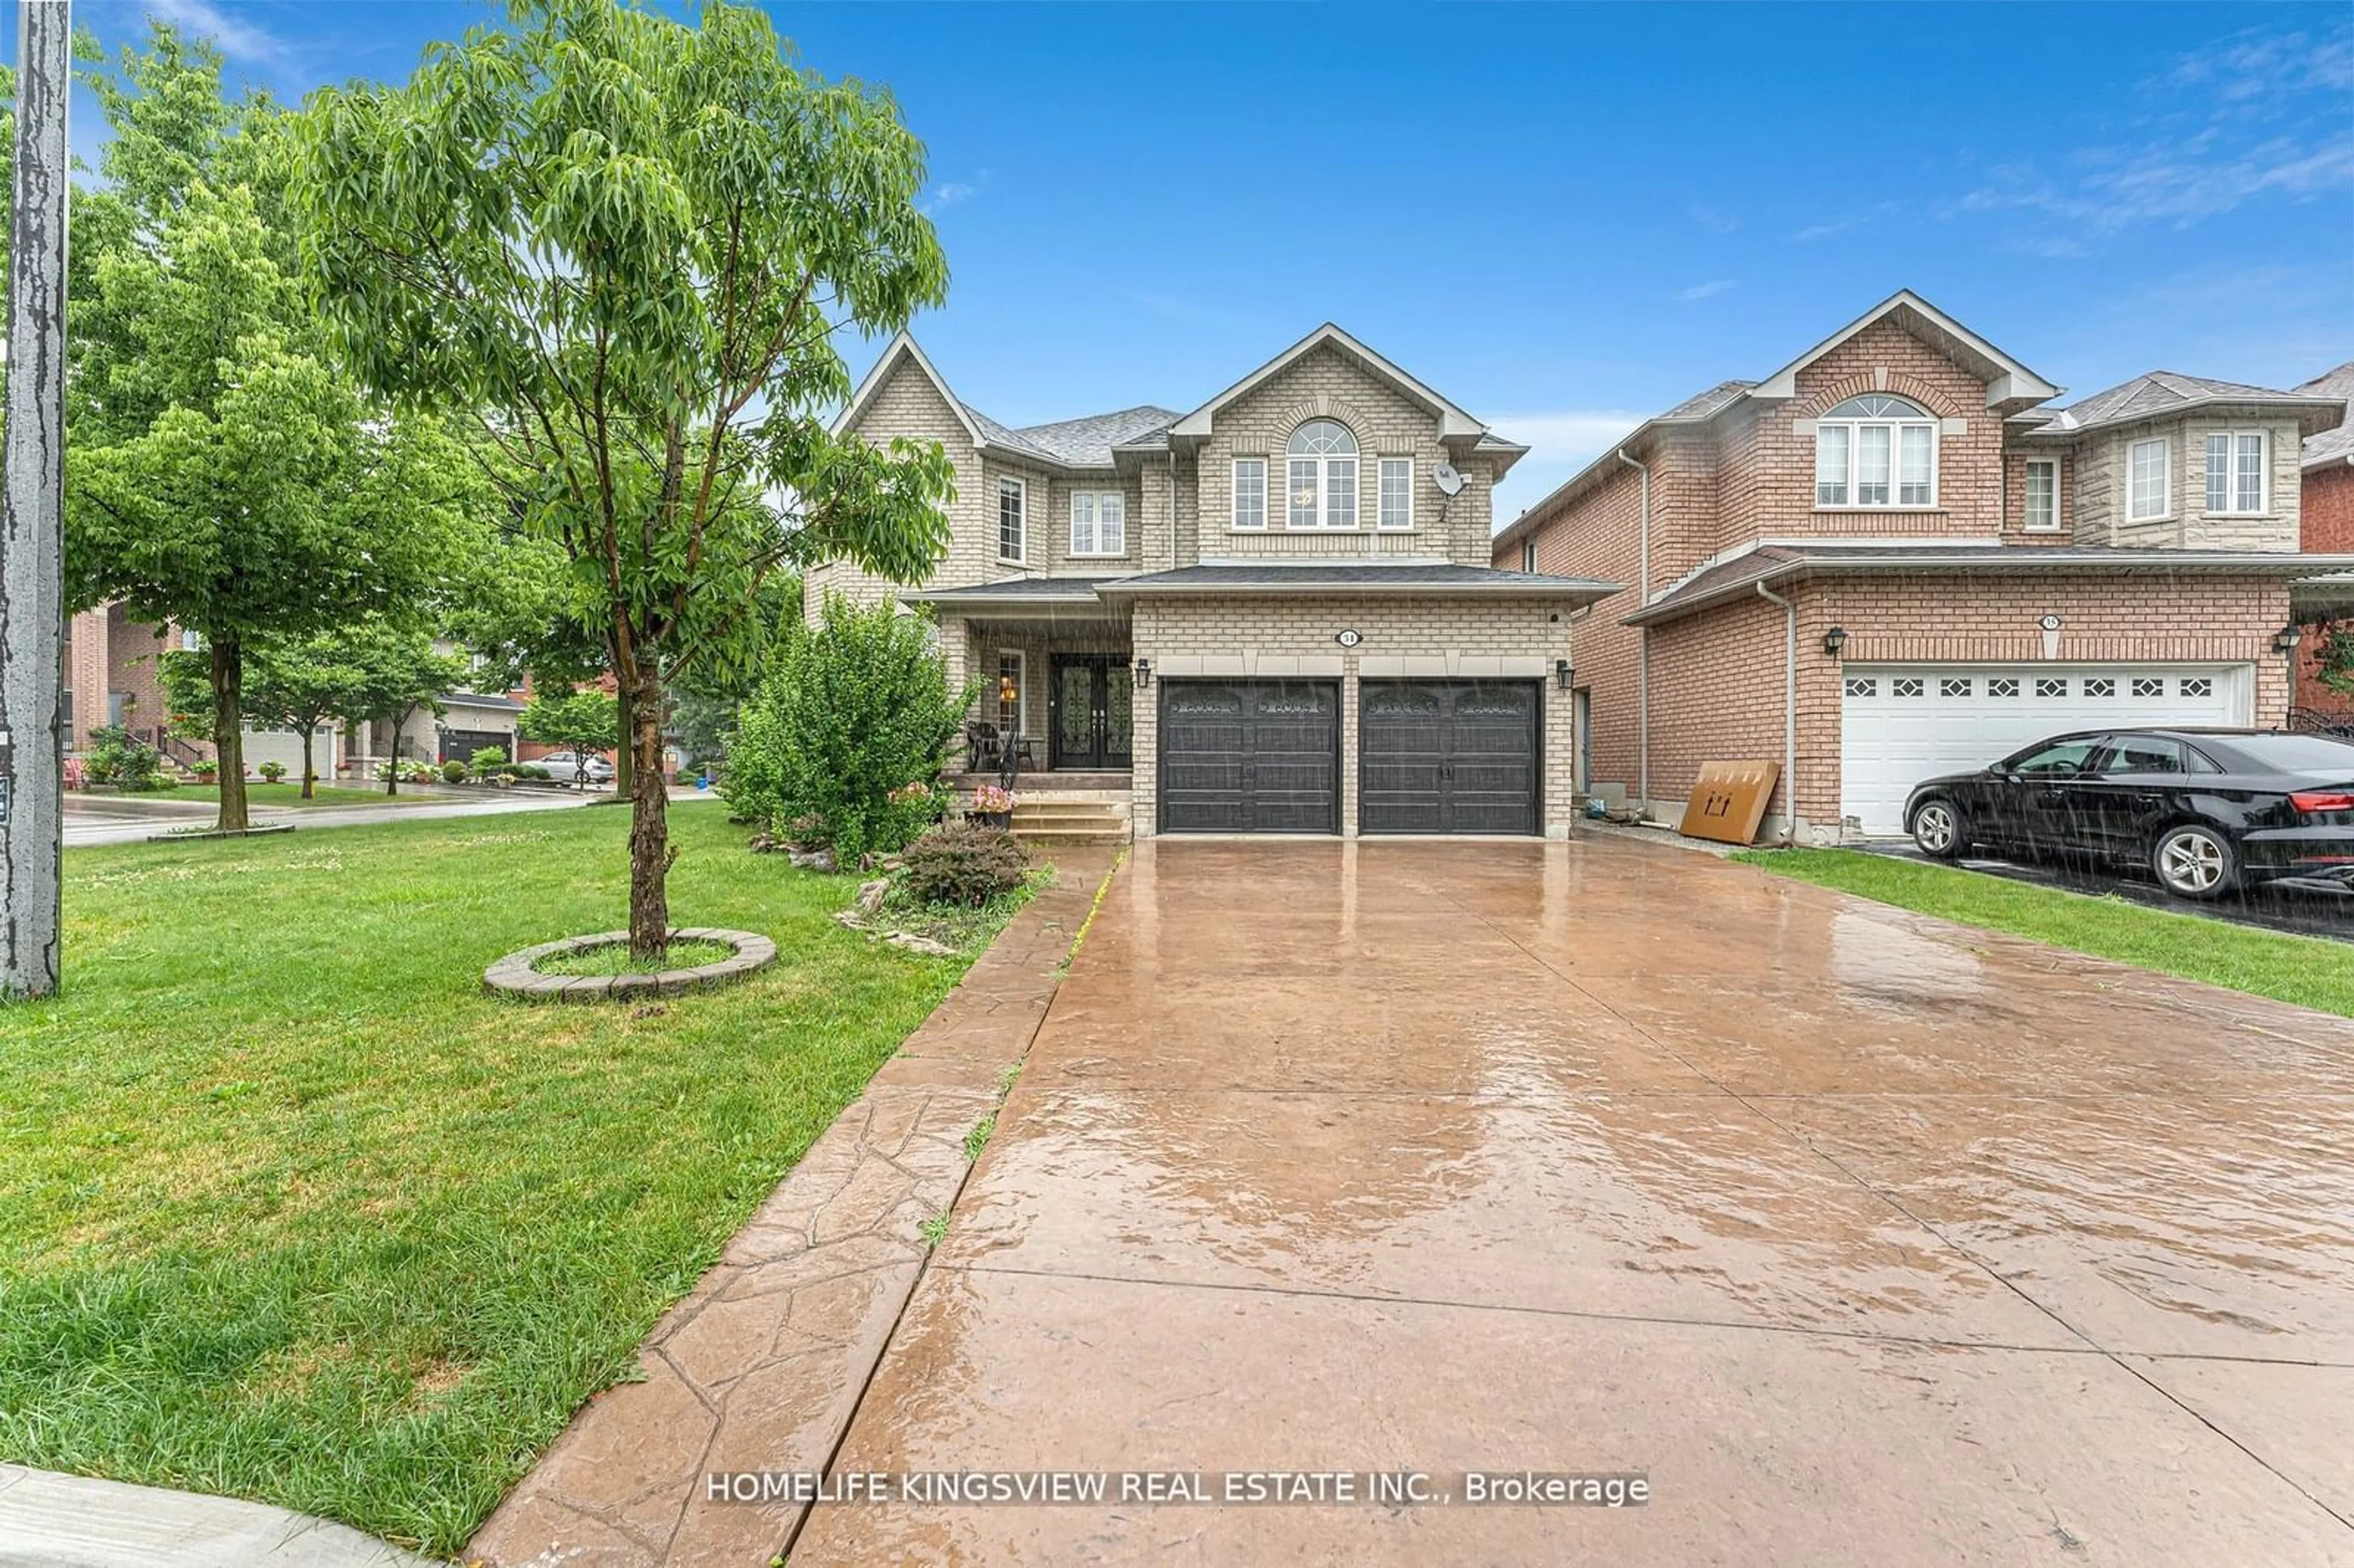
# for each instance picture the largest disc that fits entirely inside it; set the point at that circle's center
(1790, 714)
(1642, 644)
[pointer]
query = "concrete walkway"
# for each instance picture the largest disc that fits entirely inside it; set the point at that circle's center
(48, 1520)
(762, 1366)
(97, 826)
(1867, 1239)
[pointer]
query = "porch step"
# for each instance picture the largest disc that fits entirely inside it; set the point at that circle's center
(1053, 820)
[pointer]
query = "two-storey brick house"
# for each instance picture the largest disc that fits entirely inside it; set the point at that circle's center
(1272, 613)
(1892, 557)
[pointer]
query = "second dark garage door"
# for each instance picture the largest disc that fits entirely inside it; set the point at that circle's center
(1250, 756)
(1448, 756)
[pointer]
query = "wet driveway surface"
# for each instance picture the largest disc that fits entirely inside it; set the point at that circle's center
(1866, 1237)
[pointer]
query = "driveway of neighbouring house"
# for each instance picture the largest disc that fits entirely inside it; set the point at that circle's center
(1867, 1238)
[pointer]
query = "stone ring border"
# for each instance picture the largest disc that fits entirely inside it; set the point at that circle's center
(515, 975)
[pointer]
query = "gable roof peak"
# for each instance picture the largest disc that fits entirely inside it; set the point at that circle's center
(1453, 424)
(2009, 382)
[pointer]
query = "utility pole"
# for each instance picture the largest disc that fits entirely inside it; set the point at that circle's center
(32, 533)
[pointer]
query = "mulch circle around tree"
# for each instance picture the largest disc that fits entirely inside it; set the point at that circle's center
(517, 974)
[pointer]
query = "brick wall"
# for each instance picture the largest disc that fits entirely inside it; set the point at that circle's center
(1250, 636)
(909, 404)
(1330, 384)
(2327, 521)
(1717, 682)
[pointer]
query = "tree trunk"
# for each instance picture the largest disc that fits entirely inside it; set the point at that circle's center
(625, 754)
(641, 694)
(228, 729)
(308, 731)
(392, 768)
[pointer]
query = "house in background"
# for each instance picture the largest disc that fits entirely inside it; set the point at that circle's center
(2328, 517)
(1272, 612)
(1894, 556)
(112, 677)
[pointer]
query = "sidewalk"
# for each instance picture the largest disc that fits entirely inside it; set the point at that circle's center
(48, 1520)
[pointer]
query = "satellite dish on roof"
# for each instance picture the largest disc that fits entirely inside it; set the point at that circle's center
(1449, 481)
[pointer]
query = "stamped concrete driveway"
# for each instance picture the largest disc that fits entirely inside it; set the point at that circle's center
(1869, 1238)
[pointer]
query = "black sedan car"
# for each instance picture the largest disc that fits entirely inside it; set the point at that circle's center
(2208, 811)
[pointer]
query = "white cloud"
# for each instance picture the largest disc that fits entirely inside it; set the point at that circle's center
(1712, 217)
(1707, 290)
(1560, 441)
(953, 192)
(239, 39)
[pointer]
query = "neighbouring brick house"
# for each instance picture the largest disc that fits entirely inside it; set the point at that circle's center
(2328, 517)
(1894, 557)
(1274, 612)
(112, 677)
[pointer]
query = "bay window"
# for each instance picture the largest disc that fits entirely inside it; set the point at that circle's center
(2235, 471)
(2146, 491)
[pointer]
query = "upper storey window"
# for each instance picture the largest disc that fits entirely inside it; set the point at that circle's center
(1876, 451)
(1323, 490)
(2235, 472)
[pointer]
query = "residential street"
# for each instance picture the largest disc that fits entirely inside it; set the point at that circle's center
(1868, 1238)
(85, 827)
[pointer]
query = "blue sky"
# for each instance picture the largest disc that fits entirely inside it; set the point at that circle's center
(1564, 217)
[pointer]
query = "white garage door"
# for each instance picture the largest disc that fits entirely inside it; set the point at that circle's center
(1901, 724)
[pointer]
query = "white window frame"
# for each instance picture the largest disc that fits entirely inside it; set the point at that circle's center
(2027, 496)
(1021, 691)
(1403, 467)
(2231, 439)
(1018, 491)
(1845, 493)
(1324, 469)
(1104, 510)
(2134, 514)
(1257, 525)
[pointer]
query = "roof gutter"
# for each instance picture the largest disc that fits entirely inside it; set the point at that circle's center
(1642, 640)
(1789, 713)
(1580, 592)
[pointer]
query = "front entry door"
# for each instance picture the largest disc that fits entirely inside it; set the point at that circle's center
(1093, 717)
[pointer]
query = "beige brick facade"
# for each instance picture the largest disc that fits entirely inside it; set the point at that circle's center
(1268, 638)
(1179, 506)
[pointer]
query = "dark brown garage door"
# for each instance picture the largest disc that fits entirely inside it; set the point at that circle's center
(1250, 756)
(1448, 756)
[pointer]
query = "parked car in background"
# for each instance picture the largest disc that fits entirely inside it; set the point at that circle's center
(571, 765)
(2208, 811)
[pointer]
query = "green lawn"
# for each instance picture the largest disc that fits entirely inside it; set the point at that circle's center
(291, 1211)
(320, 795)
(2306, 970)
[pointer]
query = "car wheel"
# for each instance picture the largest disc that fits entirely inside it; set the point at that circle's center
(1941, 830)
(2195, 861)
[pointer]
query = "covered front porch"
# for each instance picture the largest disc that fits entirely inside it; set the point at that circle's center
(1051, 667)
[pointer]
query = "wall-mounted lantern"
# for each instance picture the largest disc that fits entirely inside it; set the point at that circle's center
(1563, 673)
(1143, 673)
(1834, 640)
(2285, 640)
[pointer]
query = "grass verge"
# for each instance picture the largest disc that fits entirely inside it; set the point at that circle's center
(2306, 970)
(291, 1211)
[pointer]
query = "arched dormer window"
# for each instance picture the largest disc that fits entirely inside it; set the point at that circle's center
(1323, 456)
(1876, 451)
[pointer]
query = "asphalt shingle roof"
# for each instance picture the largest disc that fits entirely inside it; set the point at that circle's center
(2158, 393)
(2336, 445)
(1077, 443)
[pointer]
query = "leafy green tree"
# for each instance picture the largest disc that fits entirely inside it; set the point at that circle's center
(853, 714)
(399, 673)
(585, 722)
(626, 245)
(2333, 655)
(221, 474)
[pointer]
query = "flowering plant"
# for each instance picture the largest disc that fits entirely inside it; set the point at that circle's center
(993, 798)
(910, 794)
